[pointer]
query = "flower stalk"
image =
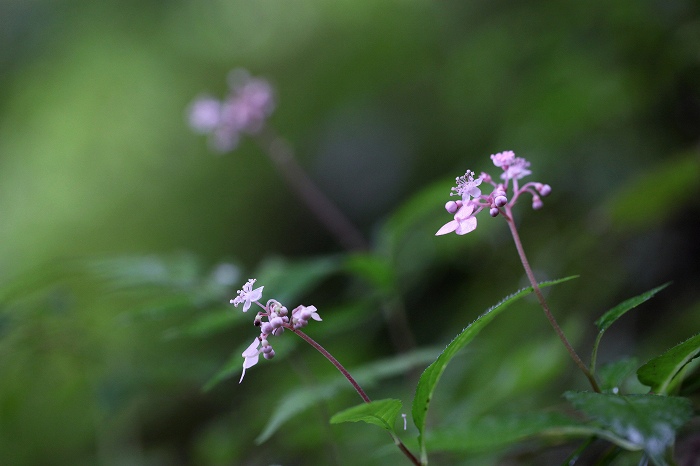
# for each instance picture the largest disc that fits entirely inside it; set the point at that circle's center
(273, 319)
(473, 201)
(545, 307)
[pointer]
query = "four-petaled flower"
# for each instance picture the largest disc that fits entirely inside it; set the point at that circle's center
(463, 222)
(247, 295)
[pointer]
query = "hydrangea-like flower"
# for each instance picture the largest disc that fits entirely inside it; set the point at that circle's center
(498, 201)
(244, 110)
(247, 295)
(272, 321)
(467, 186)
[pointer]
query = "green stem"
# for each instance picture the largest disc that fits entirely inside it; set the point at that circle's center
(543, 303)
(356, 386)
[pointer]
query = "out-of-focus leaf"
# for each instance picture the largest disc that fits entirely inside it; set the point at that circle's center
(373, 268)
(494, 432)
(234, 365)
(663, 189)
(382, 413)
(211, 322)
(648, 422)
(290, 280)
(425, 204)
(304, 397)
(178, 271)
(660, 371)
(430, 377)
(607, 319)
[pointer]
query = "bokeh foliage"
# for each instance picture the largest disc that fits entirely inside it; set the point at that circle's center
(115, 219)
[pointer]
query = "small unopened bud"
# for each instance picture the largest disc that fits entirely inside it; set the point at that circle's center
(269, 355)
(500, 200)
(276, 322)
(451, 207)
(545, 190)
(267, 349)
(485, 176)
(266, 328)
(494, 212)
(536, 202)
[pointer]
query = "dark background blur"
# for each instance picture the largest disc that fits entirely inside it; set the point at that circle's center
(381, 100)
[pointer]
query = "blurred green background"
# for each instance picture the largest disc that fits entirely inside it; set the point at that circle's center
(117, 222)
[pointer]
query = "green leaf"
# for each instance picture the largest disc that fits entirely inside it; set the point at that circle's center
(647, 422)
(665, 188)
(607, 319)
(302, 398)
(373, 268)
(382, 413)
(613, 375)
(493, 432)
(660, 371)
(430, 377)
(290, 280)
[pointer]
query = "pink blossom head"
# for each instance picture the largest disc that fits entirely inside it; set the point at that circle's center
(245, 109)
(503, 159)
(467, 186)
(518, 169)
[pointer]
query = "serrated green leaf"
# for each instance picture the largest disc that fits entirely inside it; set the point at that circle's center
(613, 375)
(660, 371)
(647, 422)
(382, 413)
(302, 398)
(430, 377)
(607, 319)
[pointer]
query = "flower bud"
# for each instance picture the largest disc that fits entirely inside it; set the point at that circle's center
(269, 355)
(451, 207)
(536, 202)
(545, 190)
(276, 322)
(500, 200)
(494, 211)
(266, 328)
(267, 349)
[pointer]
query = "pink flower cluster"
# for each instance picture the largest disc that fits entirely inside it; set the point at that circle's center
(473, 201)
(272, 320)
(244, 110)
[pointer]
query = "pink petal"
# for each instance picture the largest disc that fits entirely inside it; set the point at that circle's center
(464, 212)
(256, 294)
(252, 350)
(465, 226)
(449, 227)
